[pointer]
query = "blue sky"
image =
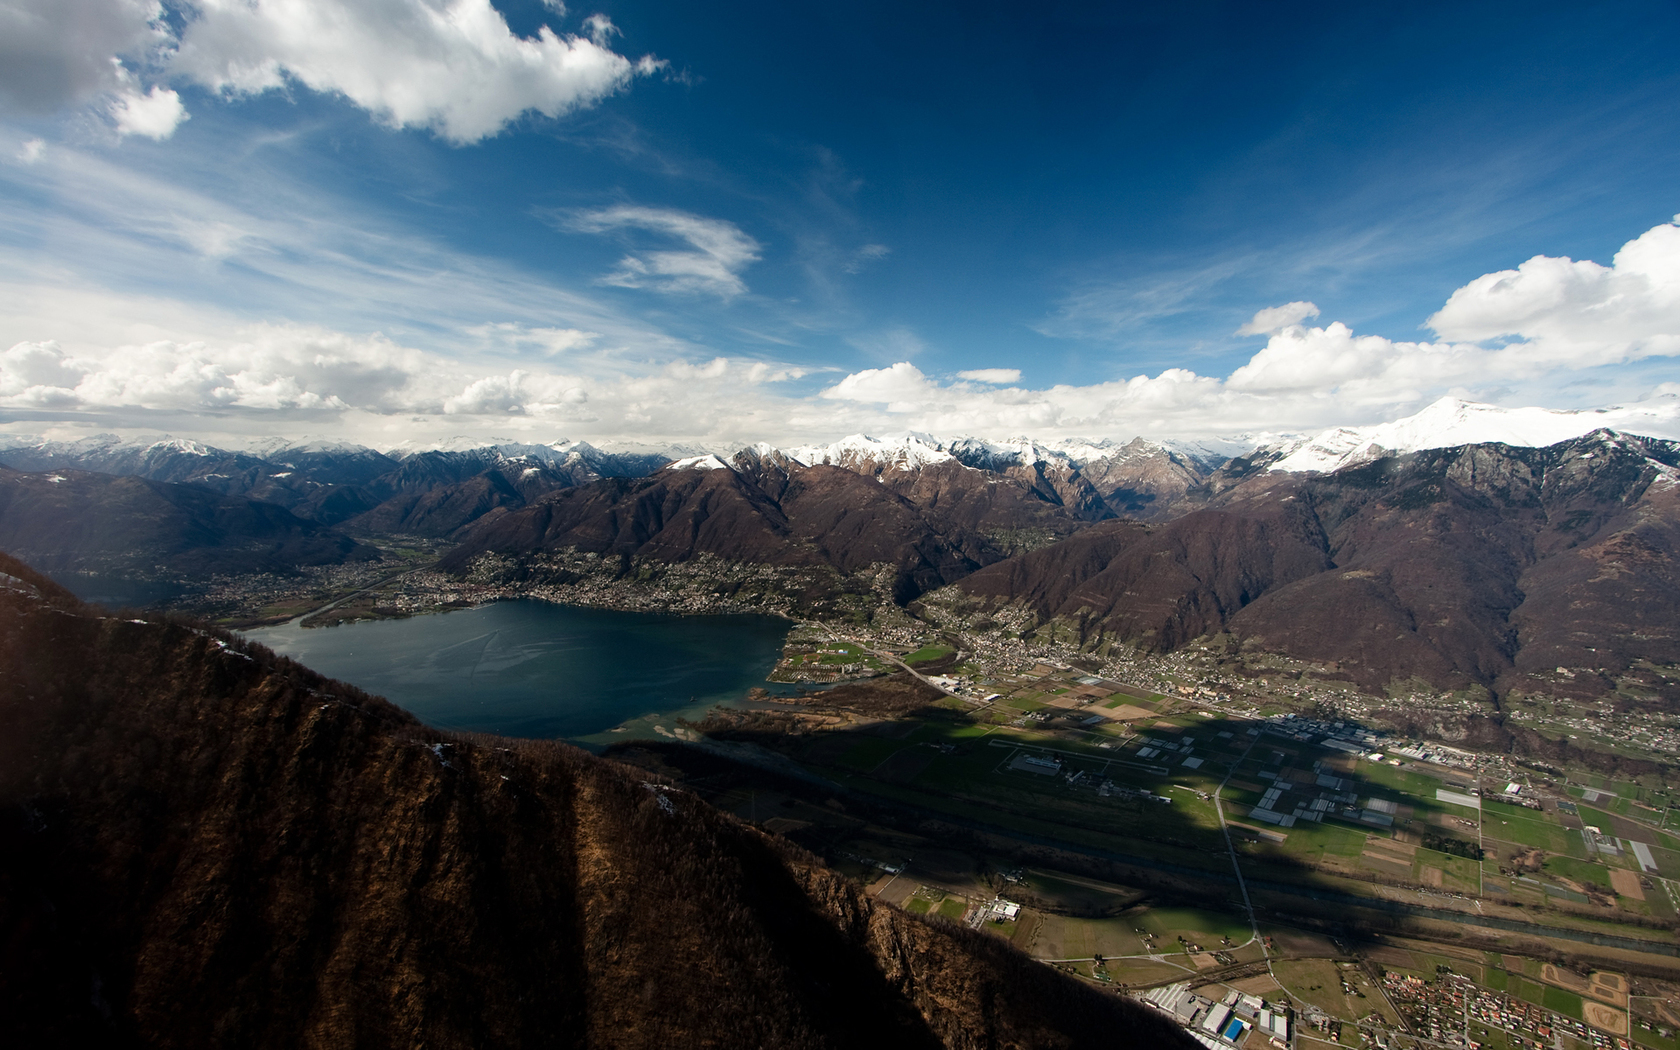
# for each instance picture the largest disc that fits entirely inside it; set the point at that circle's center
(404, 220)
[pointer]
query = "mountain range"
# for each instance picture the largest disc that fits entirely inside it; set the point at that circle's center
(1391, 557)
(1549, 570)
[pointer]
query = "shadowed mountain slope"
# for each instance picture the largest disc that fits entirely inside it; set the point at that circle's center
(202, 844)
(1480, 565)
(84, 521)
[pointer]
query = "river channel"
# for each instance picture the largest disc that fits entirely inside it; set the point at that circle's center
(534, 669)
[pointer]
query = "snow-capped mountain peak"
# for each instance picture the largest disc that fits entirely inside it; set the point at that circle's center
(1450, 422)
(902, 452)
(709, 461)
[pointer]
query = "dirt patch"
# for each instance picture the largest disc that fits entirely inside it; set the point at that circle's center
(1394, 957)
(1204, 961)
(785, 825)
(1626, 883)
(1665, 1013)
(1263, 985)
(1403, 851)
(1387, 864)
(1609, 988)
(1608, 1018)
(1527, 860)
(1431, 876)
(1563, 978)
(1126, 712)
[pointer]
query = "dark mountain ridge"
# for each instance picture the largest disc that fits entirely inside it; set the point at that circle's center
(430, 492)
(84, 521)
(203, 844)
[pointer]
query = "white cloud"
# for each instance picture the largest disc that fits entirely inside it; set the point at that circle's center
(1276, 318)
(58, 53)
(601, 29)
(992, 375)
(901, 387)
(155, 114)
(450, 65)
(711, 265)
(759, 372)
(32, 150)
(550, 363)
(275, 369)
(34, 374)
(1578, 313)
(549, 341)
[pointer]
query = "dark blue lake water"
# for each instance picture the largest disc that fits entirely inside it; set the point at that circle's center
(534, 669)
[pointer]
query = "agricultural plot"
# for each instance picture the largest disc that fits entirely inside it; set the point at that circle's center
(1066, 937)
(1340, 990)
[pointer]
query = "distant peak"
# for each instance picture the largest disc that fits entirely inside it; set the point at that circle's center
(709, 461)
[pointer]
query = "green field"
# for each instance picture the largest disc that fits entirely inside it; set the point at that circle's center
(1565, 1003)
(928, 654)
(1579, 870)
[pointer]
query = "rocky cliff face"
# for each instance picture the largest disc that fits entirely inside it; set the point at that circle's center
(1486, 565)
(205, 845)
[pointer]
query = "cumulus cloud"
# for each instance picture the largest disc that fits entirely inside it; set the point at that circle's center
(34, 374)
(1517, 326)
(1507, 329)
(1277, 318)
(156, 114)
(991, 375)
(1578, 313)
(450, 65)
(58, 53)
(276, 369)
(901, 387)
(711, 264)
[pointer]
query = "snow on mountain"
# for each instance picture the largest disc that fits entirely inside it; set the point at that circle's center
(1450, 422)
(707, 462)
(901, 452)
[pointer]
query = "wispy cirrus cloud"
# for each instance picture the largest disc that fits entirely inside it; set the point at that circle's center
(715, 254)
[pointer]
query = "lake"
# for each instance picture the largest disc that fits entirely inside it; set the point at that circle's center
(534, 669)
